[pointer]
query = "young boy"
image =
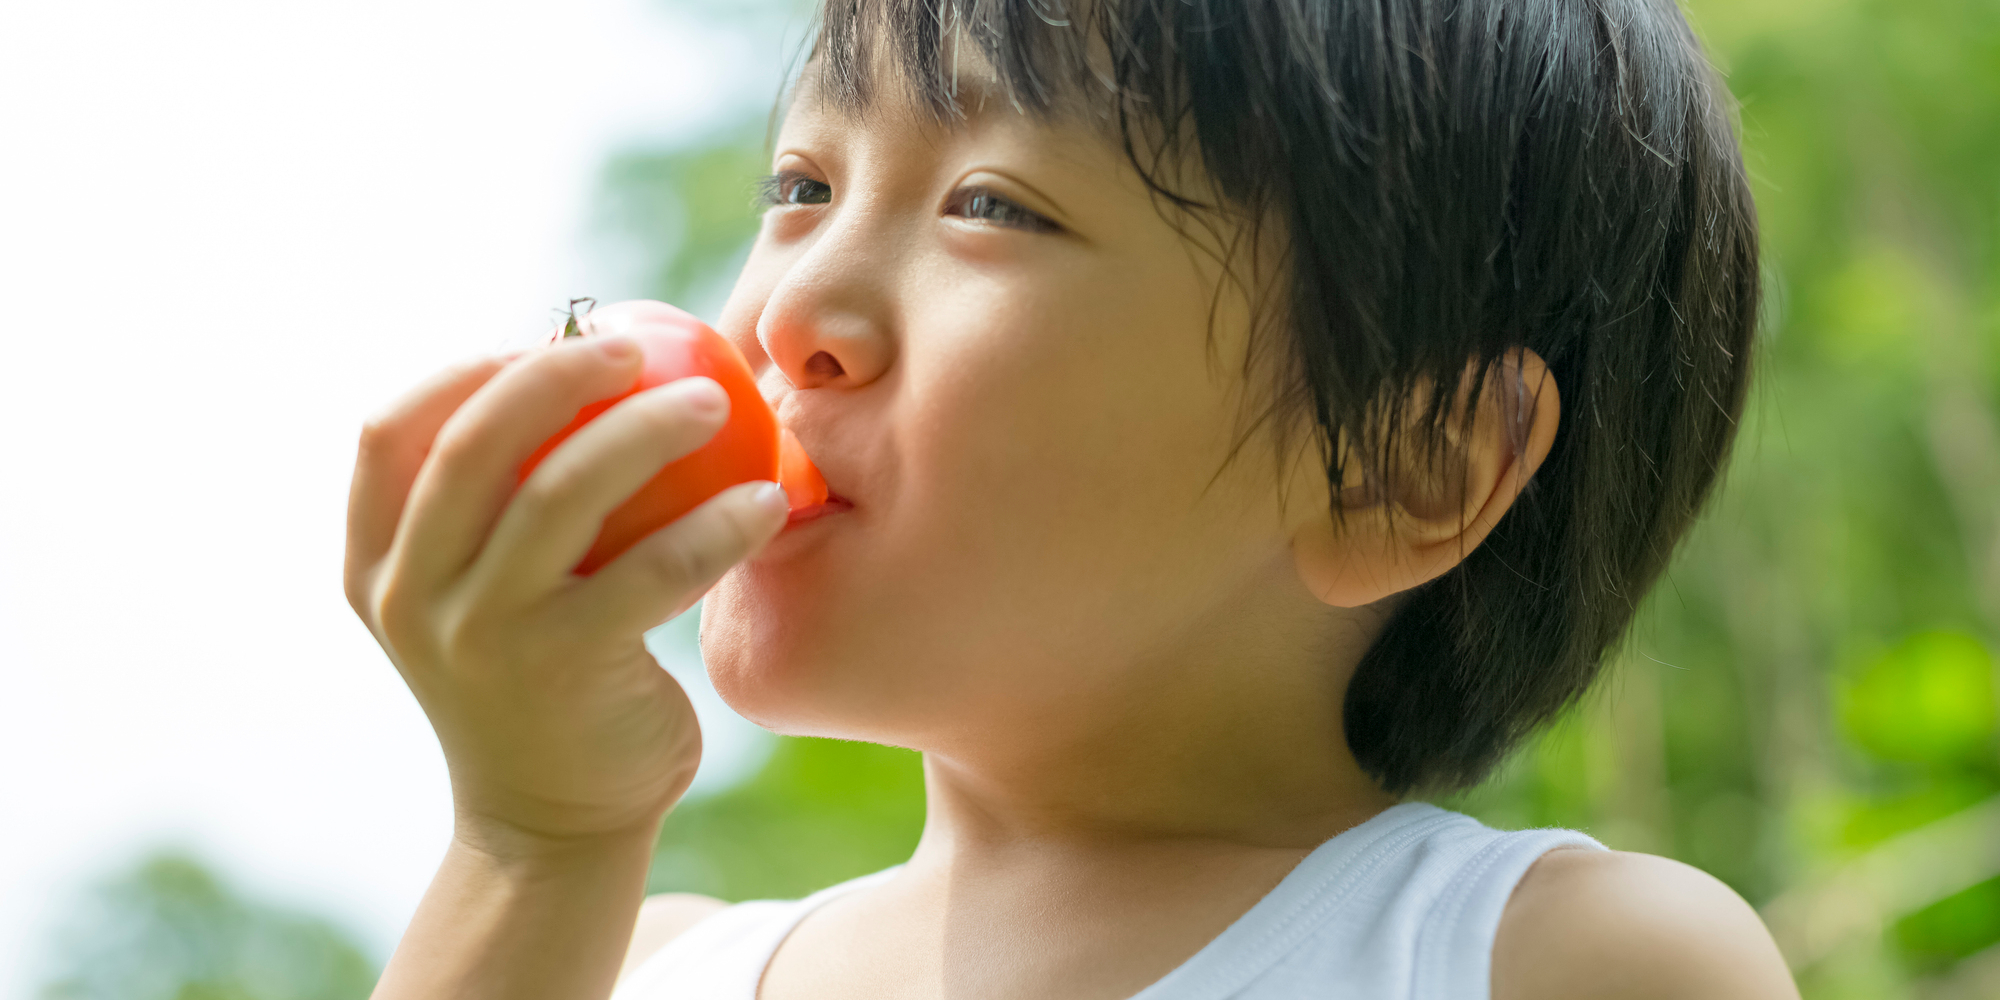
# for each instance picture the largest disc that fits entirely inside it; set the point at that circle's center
(1239, 414)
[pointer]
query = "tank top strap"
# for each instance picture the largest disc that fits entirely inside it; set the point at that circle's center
(1454, 943)
(722, 957)
(1401, 907)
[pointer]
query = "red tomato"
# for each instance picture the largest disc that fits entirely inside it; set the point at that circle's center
(676, 346)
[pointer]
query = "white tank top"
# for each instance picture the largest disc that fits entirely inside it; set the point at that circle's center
(1401, 907)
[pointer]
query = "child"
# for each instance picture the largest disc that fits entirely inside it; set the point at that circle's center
(1240, 415)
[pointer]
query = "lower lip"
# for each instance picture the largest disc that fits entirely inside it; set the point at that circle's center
(818, 511)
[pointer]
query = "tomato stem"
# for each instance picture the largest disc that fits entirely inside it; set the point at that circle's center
(573, 327)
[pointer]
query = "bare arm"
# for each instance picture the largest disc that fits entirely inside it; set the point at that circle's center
(549, 924)
(1608, 925)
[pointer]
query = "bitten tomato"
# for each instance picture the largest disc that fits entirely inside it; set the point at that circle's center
(676, 345)
(804, 486)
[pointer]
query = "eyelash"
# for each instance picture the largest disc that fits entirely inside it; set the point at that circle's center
(784, 189)
(1014, 216)
(780, 188)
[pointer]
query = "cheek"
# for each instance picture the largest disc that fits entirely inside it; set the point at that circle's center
(1056, 516)
(1074, 456)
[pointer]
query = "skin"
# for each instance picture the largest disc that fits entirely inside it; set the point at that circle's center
(1121, 652)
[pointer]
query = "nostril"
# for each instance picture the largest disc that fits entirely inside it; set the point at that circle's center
(823, 367)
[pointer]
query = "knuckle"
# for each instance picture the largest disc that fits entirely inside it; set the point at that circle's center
(398, 619)
(546, 492)
(657, 412)
(475, 637)
(664, 421)
(736, 531)
(359, 597)
(378, 435)
(580, 359)
(450, 445)
(459, 631)
(703, 547)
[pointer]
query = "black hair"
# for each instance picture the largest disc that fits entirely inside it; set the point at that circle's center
(1453, 179)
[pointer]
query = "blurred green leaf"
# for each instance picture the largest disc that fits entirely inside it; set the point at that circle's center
(172, 930)
(687, 214)
(1933, 938)
(1872, 312)
(1928, 700)
(819, 812)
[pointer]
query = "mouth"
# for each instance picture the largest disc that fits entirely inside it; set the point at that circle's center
(833, 504)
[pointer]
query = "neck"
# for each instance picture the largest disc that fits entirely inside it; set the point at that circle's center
(1187, 753)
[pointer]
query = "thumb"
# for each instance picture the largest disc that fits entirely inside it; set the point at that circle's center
(667, 571)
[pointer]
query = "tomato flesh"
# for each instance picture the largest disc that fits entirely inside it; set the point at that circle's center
(804, 486)
(676, 345)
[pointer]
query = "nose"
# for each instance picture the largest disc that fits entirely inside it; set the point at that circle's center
(828, 322)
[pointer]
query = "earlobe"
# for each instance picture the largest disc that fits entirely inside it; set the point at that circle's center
(1348, 568)
(1412, 535)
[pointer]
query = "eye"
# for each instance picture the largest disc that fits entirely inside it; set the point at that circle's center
(791, 187)
(986, 205)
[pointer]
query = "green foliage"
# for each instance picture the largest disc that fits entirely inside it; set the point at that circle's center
(690, 212)
(1954, 927)
(821, 811)
(1927, 701)
(171, 930)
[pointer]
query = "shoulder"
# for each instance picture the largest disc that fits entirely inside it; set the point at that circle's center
(663, 918)
(1586, 923)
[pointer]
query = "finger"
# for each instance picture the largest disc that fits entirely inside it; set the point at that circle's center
(472, 469)
(392, 449)
(557, 514)
(671, 568)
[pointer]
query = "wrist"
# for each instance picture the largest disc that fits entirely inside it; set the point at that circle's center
(508, 846)
(513, 913)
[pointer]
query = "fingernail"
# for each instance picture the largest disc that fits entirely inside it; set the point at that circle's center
(618, 348)
(771, 497)
(704, 397)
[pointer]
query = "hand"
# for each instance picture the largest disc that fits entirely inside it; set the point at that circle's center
(557, 724)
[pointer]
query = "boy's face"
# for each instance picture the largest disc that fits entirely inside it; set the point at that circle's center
(1033, 424)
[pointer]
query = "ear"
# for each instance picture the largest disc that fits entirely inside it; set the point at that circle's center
(1430, 518)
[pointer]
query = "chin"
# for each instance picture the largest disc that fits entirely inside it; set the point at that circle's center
(775, 658)
(823, 638)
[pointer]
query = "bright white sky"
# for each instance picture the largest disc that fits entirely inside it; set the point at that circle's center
(229, 230)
